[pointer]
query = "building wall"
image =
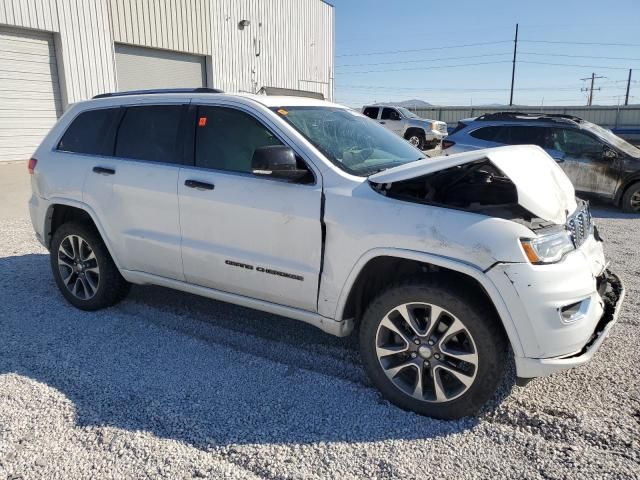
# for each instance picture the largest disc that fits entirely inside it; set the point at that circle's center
(289, 43)
(181, 25)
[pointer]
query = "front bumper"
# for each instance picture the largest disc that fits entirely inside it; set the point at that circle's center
(612, 292)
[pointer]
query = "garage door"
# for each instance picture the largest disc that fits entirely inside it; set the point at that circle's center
(29, 91)
(143, 68)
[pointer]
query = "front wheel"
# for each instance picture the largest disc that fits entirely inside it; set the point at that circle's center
(432, 350)
(631, 199)
(417, 140)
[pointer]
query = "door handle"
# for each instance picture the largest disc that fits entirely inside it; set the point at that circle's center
(104, 171)
(198, 185)
(382, 123)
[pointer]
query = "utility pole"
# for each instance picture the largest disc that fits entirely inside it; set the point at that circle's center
(626, 97)
(590, 89)
(513, 70)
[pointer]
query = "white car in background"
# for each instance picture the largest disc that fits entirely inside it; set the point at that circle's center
(446, 268)
(419, 132)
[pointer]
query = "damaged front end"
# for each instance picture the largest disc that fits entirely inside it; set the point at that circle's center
(477, 187)
(520, 183)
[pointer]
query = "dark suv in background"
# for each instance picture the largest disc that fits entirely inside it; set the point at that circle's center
(597, 161)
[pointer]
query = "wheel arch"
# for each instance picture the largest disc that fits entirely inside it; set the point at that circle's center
(61, 211)
(624, 186)
(380, 267)
(411, 130)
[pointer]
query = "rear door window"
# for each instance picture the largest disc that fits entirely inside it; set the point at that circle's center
(523, 135)
(92, 132)
(371, 112)
(226, 139)
(150, 133)
(488, 134)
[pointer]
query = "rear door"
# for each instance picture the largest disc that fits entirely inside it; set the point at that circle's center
(241, 233)
(134, 189)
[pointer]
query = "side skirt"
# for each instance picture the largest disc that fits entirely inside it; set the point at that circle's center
(328, 325)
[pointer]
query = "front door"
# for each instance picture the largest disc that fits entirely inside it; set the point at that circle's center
(241, 233)
(391, 119)
(584, 160)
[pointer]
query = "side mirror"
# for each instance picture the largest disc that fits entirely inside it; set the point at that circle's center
(609, 153)
(277, 161)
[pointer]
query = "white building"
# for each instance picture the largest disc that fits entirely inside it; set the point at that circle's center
(56, 52)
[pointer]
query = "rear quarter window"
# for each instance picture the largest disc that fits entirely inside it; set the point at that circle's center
(91, 132)
(371, 112)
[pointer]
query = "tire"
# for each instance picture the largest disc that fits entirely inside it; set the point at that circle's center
(83, 268)
(417, 139)
(631, 199)
(461, 393)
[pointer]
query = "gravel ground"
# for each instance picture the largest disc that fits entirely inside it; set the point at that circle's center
(169, 385)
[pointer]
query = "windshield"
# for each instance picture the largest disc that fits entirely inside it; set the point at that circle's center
(350, 140)
(613, 139)
(407, 113)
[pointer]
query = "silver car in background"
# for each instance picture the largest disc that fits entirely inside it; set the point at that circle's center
(419, 132)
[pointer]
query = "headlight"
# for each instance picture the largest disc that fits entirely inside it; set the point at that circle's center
(547, 248)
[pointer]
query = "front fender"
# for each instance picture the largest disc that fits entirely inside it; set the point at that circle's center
(440, 261)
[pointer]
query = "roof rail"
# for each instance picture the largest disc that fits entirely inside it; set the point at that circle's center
(530, 116)
(159, 90)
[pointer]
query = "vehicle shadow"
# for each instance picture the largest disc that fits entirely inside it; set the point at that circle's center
(194, 370)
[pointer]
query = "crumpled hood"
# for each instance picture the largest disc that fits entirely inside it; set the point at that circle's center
(542, 186)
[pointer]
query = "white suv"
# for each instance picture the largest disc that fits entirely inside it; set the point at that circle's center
(419, 132)
(310, 210)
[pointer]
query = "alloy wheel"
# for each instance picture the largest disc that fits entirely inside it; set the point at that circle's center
(78, 267)
(426, 352)
(414, 140)
(635, 201)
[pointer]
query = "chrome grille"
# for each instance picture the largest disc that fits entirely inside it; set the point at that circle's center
(442, 127)
(580, 225)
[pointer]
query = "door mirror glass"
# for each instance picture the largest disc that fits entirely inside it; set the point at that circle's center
(277, 161)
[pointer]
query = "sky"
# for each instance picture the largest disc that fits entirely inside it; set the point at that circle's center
(398, 50)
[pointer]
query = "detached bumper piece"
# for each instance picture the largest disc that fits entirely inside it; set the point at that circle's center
(612, 292)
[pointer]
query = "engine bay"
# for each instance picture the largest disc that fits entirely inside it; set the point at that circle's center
(478, 187)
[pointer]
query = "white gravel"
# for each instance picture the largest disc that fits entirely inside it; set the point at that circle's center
(169, 385)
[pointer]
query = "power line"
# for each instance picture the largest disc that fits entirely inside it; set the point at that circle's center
(424, 68)
(573, 65)
(584, 43)
(388, 52)
(577, 56)
(422, 61)
(436, 89)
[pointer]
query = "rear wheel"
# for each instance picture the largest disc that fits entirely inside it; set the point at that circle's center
(83, 269)
(631, 199)
(432, 350)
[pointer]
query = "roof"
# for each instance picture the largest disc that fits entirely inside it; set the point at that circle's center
(207, 94)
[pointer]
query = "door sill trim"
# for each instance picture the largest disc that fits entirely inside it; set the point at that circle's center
(328, 325)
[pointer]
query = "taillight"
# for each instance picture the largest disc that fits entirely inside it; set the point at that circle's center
(32, 165)
(447, 143)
